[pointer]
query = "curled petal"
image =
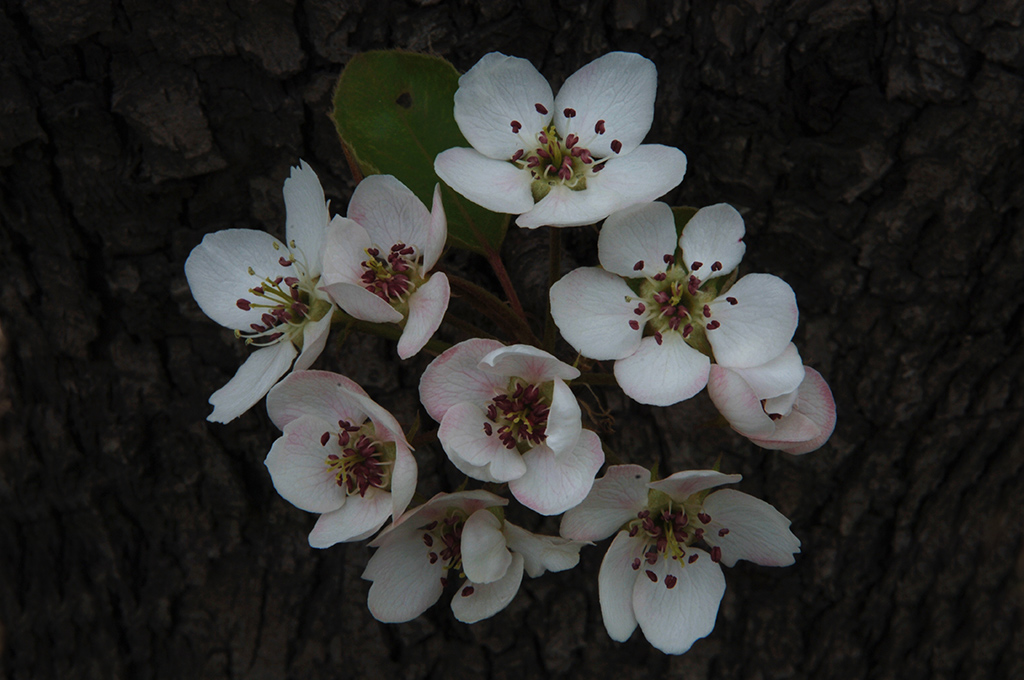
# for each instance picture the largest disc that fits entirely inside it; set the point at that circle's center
(542, 553)
(758, 327)
(485, 558)
(779, 376)
(314, 339)
(427, 306)
(615, 584)
(254, 378)
(297, 463)
(463, 434)
(553, 484)
(814, 402)
(614, 500)
(359, 518)
(531, 364)
(437, 233)
(487, 599)
(327, 396)
(736, 400)
(682, 485)
(454, 377)
(564, 420)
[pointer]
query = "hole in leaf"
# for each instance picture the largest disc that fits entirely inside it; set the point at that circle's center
(404, 100)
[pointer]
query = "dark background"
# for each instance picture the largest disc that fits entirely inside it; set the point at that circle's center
(874, 148)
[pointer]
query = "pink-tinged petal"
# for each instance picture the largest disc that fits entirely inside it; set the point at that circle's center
(496, 105)
(782, 404)
(359, 518)
(306, 214)
(682, 485)
(498, 186)
(314, 339)
(735, 400)
(760, 324)
(614, 500)
(409, 523)
(437, 234)
(634, 241)
(527, 362)
(747, 528)
(361, 303)
(593, 310)
(563, 207)
(777, 377)
(613, 93)
(713, 235)
(405, 583)
(814, 402)
(662, 374)
(403, 479)
(487, 599)
(542, 553)
(390, 213)
(553, 484)
(454, 377)
(615, 584)
(345, 248)
(254, 378)
(647, 173)
(427, 306)
(464, 438)
(485, 558)
(564, 420)
(672, 619)
(322, 394)
(297, 463)
(217, 271)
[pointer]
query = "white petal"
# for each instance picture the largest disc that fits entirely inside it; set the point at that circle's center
(359, 518)
(390, 213)
(403, 479)
(495, 92)
(638, 236)
(672, 619)
(777, 377)
(682, 485)
(618, 89)
(306, 213)
(297, 463)
(325, 395)
(484, 556)
(756, 530)
(217, 271)
(542, 553)
(614, 500)
(344, 252)
(437, 233)
(564, 207)
(553, 484)
(713, 235)
(758, 327)
(498, 186)
(405, 583)
(254, 378)
(314, 339)
(488, 599)
(615, 584)
(427, 306)
(815, 403)
(527, 362)
(647, 173)
(663, 374)
(590, 307)
(463, 437)
(361, 303)
(564, 420)
(453, 377)
(736, 400)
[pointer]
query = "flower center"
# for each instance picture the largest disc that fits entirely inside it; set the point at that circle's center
(288, 302)
(364, 462)
(393, 276)
(668, 532)
(443, 539)
(518, 417)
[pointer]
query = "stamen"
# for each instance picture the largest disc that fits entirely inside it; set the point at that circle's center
(616, 145)
(638, 266)
(670, 581)
(716, 554)
(640, 308)
(517, 155)
(657, 337)
(716, 267)
(713, 325)
(704, 517)
(651, 575)
(243, 304)
(723, 532)
(540, 109)
(634, 324)
(668, 258)
(284, 261)
(707, 311)
(467, 591)
(569, 113)
(693, 558)
(731, 300)
(599, 127)
(516, 126)
(695, 265)
(660, 276)
(324, 438)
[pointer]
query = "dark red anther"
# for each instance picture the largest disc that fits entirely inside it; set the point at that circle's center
(692, 558)
(636, 563)
(517, 155)
(668, 258)
(532, 162)
(674, 322)
(661, 297)
(651, 575)
(467, 591)
(268, 320)
(694, 266)
(598, 168)
(433, 557)
(640, 308)
(634, 324)
(660, 276)
(713, 325)
(668, 310)
(569, 113)
(258, 290)
(716, 266)
(670, 581)
(243, 304)
(638, 266)
(431, 526)
(687, 329)
(571, 141)
(488, 430)
(324, 438)
(284, 261)
(732, 300)
(428, 540)
(723, 532)
(516, 126)
(543, 153)
(599, 127)
(775, 416)
(716, 554)
(616, 145)
(540, 109)
(658, 338)
(444, 582)
(704, 517)
(634, 530)
(258, 328)
(707, 311)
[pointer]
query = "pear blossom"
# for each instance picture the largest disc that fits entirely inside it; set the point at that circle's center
(377, 260)
(340, 454)
(561, 161)
(661, 571)
(267, 292)
(661, 308)
(463, 533)
(780, 404)
(507, 415)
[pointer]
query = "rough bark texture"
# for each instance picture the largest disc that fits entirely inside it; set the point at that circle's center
(874, 147)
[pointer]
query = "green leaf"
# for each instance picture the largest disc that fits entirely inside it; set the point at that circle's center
(393, 111)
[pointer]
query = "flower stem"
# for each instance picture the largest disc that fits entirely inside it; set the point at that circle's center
(596, 379)
(494, 259)
(385, 330)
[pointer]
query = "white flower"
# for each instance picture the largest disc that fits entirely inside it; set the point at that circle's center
(507, 415)
(662, 324)
(377, 260)
(654, 574)
(457, 532)
(341, 454)
(562, 161)
(267, 292)
(781, 404)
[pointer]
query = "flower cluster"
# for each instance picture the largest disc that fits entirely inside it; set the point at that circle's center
(667, 305)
